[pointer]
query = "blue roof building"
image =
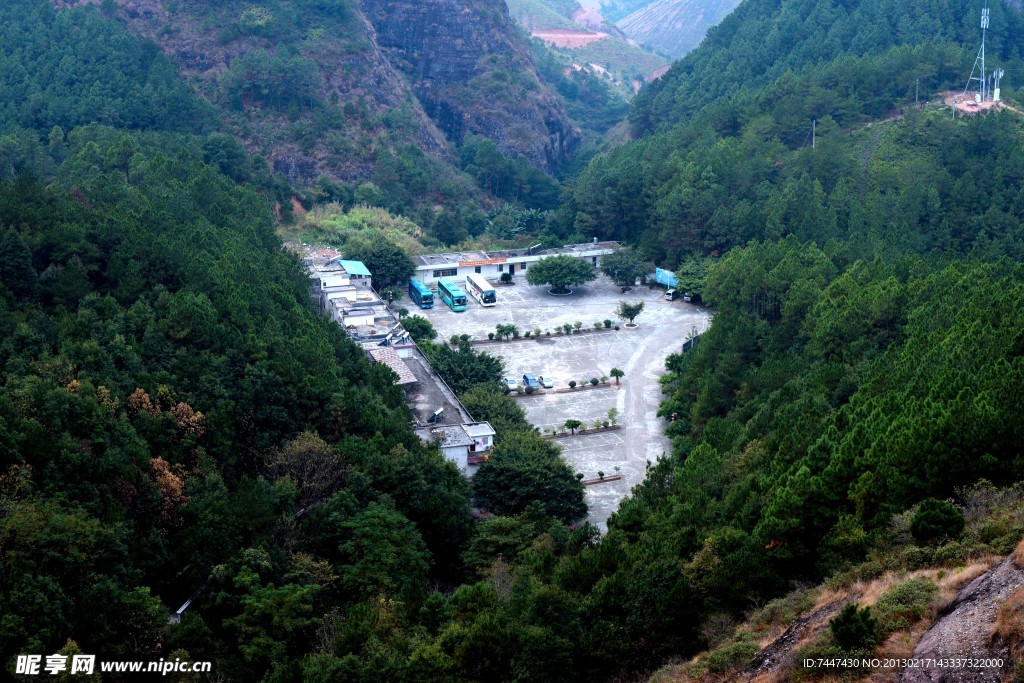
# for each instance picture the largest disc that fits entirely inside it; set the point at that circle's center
(353, 268)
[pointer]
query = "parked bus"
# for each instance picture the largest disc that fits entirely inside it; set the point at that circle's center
(421, 294)
(481, 290)
(451, 294)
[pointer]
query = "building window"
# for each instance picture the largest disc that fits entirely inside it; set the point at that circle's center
(476, 269)
(522, 266)
(447, 272)
(501, 267)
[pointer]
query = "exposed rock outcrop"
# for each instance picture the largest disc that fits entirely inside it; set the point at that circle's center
(964, 632)
(473, 74)
(426, 73)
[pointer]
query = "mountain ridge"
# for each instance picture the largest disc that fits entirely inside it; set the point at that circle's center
(674, 27)
(361, 112)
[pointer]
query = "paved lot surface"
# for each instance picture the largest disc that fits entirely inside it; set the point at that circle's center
(640, 353)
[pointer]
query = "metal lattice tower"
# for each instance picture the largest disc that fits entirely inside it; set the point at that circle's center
(980, 60)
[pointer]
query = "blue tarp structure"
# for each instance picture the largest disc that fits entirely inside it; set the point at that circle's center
(665, 277)
(353, 267)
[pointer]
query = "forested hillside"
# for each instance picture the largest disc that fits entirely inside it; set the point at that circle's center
(836, 44)
(753, 144)
(176, 421)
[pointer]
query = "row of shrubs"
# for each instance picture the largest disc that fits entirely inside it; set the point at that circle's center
(505, 331)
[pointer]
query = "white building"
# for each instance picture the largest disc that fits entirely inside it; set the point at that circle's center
(467, 445)
(343, 291)
(432, 267)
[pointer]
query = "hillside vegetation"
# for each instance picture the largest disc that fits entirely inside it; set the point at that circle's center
(177, 422)
(830, 44)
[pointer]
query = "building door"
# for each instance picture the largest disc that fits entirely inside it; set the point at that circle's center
(511, 268)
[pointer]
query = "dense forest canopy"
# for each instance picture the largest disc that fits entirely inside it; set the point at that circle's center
(72, 68)
(763, 40)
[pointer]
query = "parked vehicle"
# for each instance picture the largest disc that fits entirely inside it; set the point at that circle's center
(670, 295)
(531, 381)
(546, 382)
(511, 383)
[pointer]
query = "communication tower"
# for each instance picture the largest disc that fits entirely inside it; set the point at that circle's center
(980, 61)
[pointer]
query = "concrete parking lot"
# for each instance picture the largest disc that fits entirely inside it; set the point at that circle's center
(640, 353)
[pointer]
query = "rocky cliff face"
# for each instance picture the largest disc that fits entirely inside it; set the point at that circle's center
(473, 74)
(387, 75)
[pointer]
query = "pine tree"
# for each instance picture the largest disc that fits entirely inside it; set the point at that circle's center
(16, 272)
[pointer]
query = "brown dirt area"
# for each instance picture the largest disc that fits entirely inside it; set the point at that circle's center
(568, 39)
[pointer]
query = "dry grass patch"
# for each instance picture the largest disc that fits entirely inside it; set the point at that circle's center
(1009, 624)
(1018, 555)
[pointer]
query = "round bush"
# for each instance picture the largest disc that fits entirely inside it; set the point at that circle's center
(936, 520)
(594, 381)
(490, 335)
(572, 384)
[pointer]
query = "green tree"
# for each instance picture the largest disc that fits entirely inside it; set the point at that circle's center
(572, 425)
(854, 628)
(274, 621)
(936, 520)
(419, 328)
(462, 367)
(506, 330)
(691, 275)
(16, 272)
(383, 553)
(386, 261)
(561, 272)
(489, 404)
(629, 311)
(625, 265)
(617, 374)
(524, 469)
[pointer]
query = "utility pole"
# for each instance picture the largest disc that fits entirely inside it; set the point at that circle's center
(814, 126)
(917, 90)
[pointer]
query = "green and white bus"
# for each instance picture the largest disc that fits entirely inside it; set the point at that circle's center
(451, 295)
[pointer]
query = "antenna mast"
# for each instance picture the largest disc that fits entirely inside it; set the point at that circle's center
(980, 60)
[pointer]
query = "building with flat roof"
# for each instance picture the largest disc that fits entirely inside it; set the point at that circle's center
(492, 264)
(391, 358)
(342, 289)
(467, 445)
